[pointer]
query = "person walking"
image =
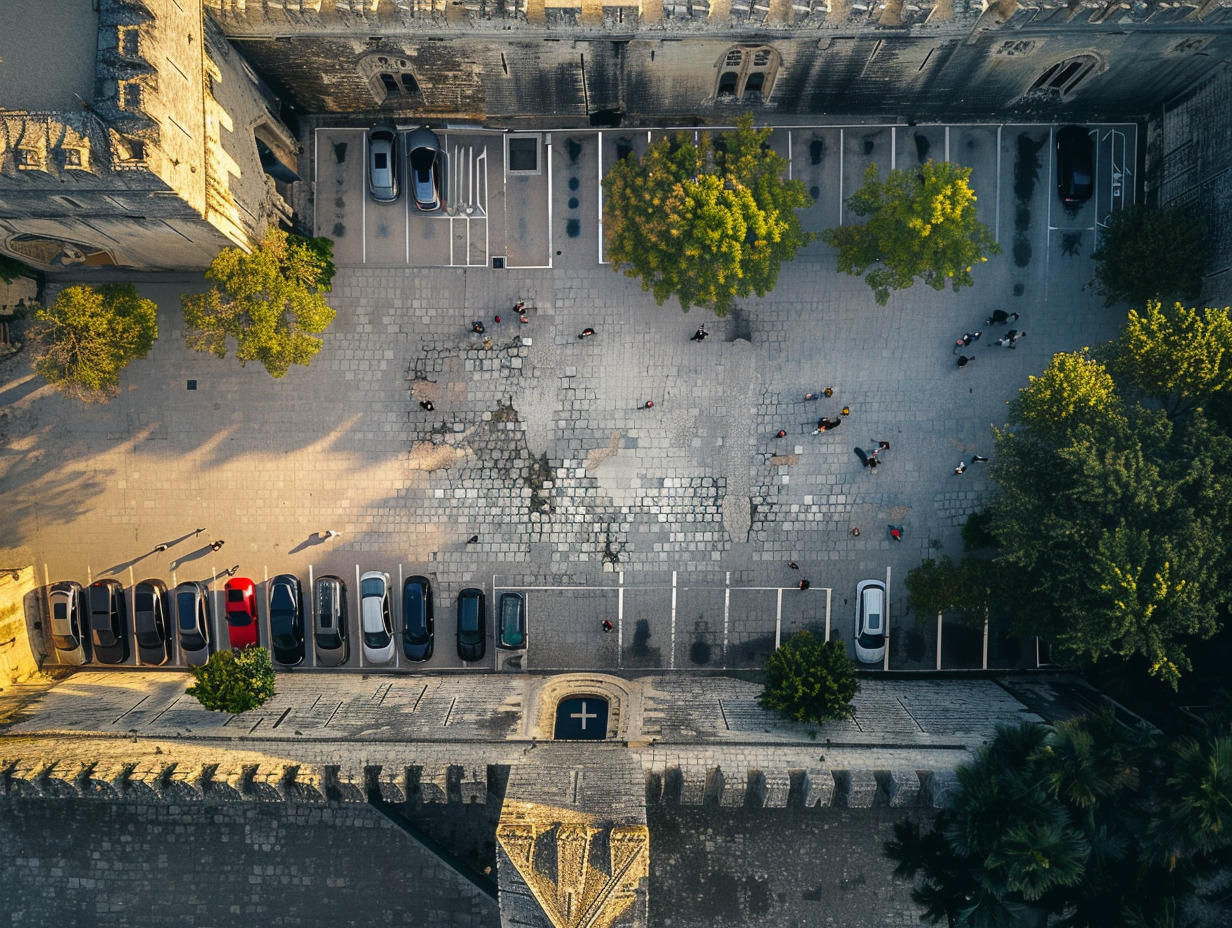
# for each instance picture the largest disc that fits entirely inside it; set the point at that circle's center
(1015, 337)
(587, 333)
(158, 548)
(803, 585)
(215, 545)
(793, 565)
(862, 455)
(963, 361)
(607, 626)
(426, 405)
(883, 446)
(978, 459)
(649, 404)
(474, 539)
(896, 532)
(960, 469)
(329, 534)
(700, 334)
(1001, 317)
(478, 327)
(781, 433)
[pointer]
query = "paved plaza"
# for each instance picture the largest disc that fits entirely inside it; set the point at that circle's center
(538, 444)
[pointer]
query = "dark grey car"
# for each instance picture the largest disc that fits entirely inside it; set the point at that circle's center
(329, 623)
(192, 618)
(108, 621)
(68, 633)
(472, 624)
(150, 616)
(426, 169)
(286, 618)
(417, 622)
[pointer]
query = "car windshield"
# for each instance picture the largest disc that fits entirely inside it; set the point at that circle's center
(377, 640)
(186, 609)
(372, 586)
(235, 596)
(511, 624)
(414, 617)
(238, 618)
(104, 637)
(59, 610)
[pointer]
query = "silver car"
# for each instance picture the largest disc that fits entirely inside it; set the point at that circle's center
(329, 622)
(67, 608)
(426, 167)
(870, 621)
(376, 617)
(383, 165)
(192, 614)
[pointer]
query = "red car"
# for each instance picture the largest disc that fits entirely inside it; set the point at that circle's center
(242, 612)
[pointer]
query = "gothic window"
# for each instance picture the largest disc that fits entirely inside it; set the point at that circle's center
(746, 74)
(391, 80)
(1062, 78)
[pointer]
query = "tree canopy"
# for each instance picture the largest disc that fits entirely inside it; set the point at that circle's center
(921, 224)
(234, 681)
(1112, 516)
(270, 302)
(707, 221)
(1177, 355)
(1082, 820)
(1147, 253)
(89, 335)
(809, 680)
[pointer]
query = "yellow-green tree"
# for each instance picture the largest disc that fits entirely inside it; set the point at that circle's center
(89, 335)
(270, 302)
(920, 224)
(1178, 354)
(707, 221)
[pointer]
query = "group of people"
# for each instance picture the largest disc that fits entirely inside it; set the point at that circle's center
(519, 310)
(1009, 340)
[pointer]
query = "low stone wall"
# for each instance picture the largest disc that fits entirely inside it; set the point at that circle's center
(17, 661)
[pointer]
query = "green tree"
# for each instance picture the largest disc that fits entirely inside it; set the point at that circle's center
(89, 335)
(1151, 254)
(921, 224)
(809, 680)
(1180, 354)
(270, 303)
(1075, 394)
(310, 261)
(11, 269)
(706, 222)
(234, 681)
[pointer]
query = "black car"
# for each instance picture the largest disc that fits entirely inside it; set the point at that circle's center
(417, 625)
(150, 615)
(108, 621)
(1075, 165)
(68, 612)
(472, 624)
(330, 622)
(286, 615)
(193, 618)
(511, 621)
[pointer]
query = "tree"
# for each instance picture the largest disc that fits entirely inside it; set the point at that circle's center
(1059, 821)
(1151, 254)
(89, 335)
(234, 681)
(11, 269)
(1181, 354)
(270, 303)
(921, 223)
(706, 222)
(809, 680)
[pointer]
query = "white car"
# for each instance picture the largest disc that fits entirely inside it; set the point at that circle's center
(376, 617)
(870, 621)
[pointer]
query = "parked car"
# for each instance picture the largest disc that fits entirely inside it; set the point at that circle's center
(870, 621)
(472, 624)
(150, 618)
(426, 169)
(1075, 165)
(329, 624)
(192, 618)
(286, 616)
(68, 608)
(376, 618)
(383, 164)
(108, 621)
(242, 626)
(511, 621)
(417, 624)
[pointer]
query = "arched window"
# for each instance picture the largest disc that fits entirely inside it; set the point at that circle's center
(1061, 79)
(391, 79)
(746, 74)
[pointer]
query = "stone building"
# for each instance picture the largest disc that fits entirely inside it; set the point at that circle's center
(132, 134)
(609, 62)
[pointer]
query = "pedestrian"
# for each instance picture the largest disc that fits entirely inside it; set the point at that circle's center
(474, 539)
(522, 318)
(803, 585)
(828, 392)
(329, 534)
(497, 319)
(811, 396)
(896, 532)
(1001, 317)
(855, 531)
(426, 405)
(873, 462)
(963, 361)
(883, 446)
(1004, 341)
(519, 306)
(700, 334)
(1015, 337)
(649, 404)
(978, 459)
(781, 433)
(587, 332)
(478, 327)
(793, 565)
(199, 531)
(846, 410)
(160, 548)
(607, 626)
(215, 545)
(960, 469)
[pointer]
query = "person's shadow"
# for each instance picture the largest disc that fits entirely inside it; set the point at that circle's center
(316, 538)
(191, 556)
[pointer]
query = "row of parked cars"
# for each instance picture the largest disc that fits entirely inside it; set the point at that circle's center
(92, 623)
